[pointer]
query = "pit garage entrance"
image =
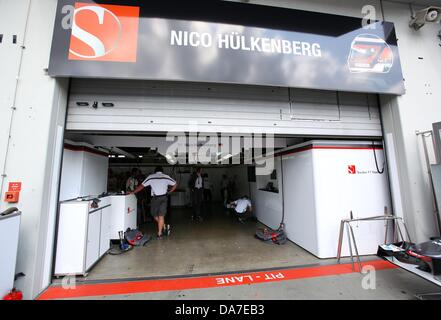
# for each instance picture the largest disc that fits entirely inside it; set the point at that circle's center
(322, 148)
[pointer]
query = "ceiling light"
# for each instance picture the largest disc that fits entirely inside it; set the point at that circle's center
(225, 157)
(170, 158)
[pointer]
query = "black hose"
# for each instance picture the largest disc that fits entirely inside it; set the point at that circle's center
(9, 211)
(283, 190)
(376, 161)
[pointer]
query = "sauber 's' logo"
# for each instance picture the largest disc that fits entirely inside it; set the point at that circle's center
(351, 169)
(104, 33)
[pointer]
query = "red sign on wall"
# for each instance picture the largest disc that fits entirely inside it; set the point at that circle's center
(14, 186)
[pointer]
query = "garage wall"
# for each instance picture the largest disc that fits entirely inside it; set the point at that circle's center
(32, 114)
(173, 106)
(420, 55)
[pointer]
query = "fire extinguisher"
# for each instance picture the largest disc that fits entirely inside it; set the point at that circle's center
(14, 295)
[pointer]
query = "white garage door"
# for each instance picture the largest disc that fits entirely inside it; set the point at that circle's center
(151, 106)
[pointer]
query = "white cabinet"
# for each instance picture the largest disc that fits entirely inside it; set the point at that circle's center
(123, 214)
(9, 231)
(93, 238)
(105, 230)
(84, 172)
(83, 236)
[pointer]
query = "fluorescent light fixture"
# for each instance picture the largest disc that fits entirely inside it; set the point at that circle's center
(121, 156)
(225, 157)
(170, 158)
(140, 156)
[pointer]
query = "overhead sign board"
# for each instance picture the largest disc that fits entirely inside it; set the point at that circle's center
(103, 40)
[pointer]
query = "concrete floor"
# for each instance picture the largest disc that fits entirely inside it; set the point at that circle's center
(222, 244)
(218, 244)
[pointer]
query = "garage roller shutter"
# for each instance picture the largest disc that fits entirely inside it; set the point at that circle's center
(139, 106)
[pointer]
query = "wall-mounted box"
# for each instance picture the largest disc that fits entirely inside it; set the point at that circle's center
(12, 196)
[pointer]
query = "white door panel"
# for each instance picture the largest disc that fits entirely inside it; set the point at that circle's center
(174, 106)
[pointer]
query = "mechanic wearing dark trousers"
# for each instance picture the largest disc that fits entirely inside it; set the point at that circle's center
(160, 184)
(198, 194)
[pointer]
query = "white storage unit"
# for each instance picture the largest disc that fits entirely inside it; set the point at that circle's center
(83, 235)
(123, 214)
(9, 232)
(161, 106)
(84, 172)
(323, 182)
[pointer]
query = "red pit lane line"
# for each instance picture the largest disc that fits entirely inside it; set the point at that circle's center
(136, 287)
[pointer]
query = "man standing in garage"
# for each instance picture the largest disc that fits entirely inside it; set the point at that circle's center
(197, 187)
(132, 182)
(160, 184)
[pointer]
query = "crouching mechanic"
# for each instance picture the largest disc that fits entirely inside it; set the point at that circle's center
(160, 184)
(242, 208)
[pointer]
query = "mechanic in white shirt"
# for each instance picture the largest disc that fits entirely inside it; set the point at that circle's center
(160, 184)
(242, 208)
